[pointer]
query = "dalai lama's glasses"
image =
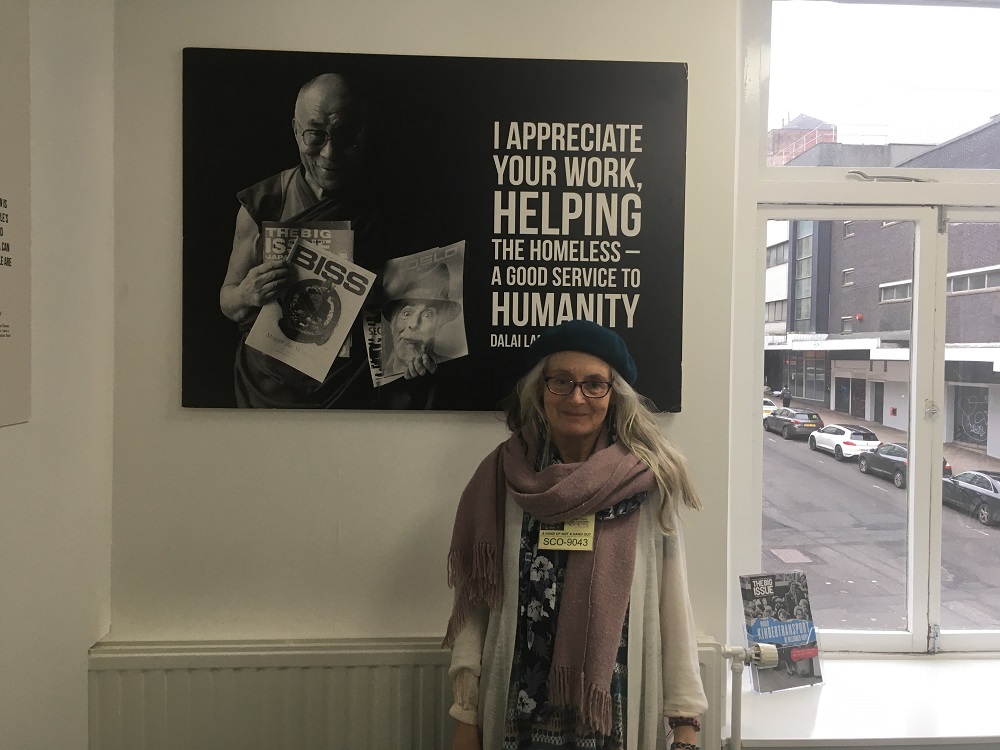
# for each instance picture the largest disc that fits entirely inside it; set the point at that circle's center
(342, 137)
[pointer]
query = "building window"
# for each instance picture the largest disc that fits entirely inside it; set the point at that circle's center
(847, 325)
(895, 292)
(848, 277)
(775, 312)
(803, 275)
(777, 254)
(807, 374)
(971, 281)
(848, 228)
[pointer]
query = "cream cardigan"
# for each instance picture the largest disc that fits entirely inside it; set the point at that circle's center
(663, 674)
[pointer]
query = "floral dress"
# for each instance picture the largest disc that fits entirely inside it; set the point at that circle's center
(530, 720)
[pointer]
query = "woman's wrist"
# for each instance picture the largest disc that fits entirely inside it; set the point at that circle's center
(685, 732)
(684, 721)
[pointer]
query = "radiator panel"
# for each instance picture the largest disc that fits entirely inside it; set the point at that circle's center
(329, 695)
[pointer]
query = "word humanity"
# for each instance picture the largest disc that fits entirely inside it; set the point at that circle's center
(541, 309)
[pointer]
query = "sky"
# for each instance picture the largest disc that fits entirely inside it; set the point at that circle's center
(885, 74)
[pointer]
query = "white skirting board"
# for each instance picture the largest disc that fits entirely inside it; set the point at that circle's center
(290, 695)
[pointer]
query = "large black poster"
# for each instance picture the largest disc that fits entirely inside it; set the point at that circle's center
(490, 198)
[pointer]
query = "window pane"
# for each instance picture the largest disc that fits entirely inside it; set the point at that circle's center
(970, 538)
(867, 93)
(846, 528)
(803, 247)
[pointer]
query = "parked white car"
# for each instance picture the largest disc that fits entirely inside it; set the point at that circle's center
(844, 440)
(769, 406)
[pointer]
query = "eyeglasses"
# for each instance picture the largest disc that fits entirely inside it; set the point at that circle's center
(565, 386)
(343, 138)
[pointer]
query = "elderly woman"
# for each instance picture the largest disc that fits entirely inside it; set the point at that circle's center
(572, 624)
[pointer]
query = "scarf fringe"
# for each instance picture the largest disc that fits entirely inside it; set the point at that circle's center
(592, 703)
(475, 574)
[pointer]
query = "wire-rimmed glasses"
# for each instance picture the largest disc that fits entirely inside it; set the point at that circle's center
(343, 137)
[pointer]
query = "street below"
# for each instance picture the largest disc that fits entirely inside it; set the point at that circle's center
(847, 531)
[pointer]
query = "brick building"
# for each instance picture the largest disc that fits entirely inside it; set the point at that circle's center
(838, 301)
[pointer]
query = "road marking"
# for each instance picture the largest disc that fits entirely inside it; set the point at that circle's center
(980, 531)
(790, 556)
(880, 488)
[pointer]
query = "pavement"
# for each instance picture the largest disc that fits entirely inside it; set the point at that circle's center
(961, 456)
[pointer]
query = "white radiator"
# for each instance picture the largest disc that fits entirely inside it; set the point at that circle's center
(299, 695)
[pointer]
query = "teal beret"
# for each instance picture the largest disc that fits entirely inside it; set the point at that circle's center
(587, 337)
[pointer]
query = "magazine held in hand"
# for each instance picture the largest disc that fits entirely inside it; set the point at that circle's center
(776, 610)
(309, 322)
(422, 321)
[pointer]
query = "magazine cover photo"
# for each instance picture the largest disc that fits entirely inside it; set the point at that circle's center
(391, 232)
(776, 610)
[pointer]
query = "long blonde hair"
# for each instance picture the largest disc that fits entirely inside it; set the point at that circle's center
(631, 418)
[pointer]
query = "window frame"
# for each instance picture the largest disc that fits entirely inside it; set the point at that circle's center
(906, 285)
(779, 192)
(986, 272)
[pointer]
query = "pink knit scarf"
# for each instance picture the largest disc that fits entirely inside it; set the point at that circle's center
(596, 587)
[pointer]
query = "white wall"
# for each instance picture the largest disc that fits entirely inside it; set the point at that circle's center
(55, 481)
(896, 395)
(219, 530)
(776, 284)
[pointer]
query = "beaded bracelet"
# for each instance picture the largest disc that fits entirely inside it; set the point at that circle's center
(684, 721)
(682, 746)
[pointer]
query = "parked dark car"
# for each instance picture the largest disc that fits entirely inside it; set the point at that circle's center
(977, 492)
(889, 460)
(792, 422)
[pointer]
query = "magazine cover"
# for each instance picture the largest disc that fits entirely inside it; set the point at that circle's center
(422, 321)
(308, 323)
(279, 236)
(776, 610)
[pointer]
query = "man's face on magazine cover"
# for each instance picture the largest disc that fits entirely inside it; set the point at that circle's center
(415, 325)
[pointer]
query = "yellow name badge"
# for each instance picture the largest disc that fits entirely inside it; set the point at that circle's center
(577, 534)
